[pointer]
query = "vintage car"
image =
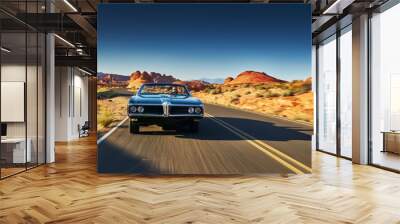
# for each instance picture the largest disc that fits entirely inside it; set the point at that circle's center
(170, 106)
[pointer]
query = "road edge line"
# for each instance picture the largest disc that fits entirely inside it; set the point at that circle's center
(275, 151)
(111, 131)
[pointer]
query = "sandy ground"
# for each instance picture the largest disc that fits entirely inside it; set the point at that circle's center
(297, 107)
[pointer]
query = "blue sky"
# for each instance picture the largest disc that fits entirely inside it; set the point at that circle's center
(193, 41)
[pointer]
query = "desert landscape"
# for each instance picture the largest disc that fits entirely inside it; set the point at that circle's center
(249, 90)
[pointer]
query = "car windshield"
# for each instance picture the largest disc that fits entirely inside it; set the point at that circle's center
(175, 90)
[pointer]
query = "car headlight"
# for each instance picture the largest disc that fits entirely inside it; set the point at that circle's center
(191, 110)
(140, 109)
(198, 110)
(132, 109)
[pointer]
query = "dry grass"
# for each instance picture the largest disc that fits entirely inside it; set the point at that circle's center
(110, 112)
(292, 100)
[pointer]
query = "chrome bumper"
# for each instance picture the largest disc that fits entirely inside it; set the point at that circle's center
(133, 115)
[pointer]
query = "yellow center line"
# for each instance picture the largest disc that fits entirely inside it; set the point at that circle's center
(276, 158)
(265, 147)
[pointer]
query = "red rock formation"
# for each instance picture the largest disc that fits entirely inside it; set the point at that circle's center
(194, 85)
(136, 75)
(158, 78)
(253, 77)
(112, 80)
(228, 79)
(138, 78)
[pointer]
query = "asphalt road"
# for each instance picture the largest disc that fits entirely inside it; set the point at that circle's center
(229, 142)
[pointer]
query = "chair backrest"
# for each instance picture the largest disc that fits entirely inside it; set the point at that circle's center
(86, 125)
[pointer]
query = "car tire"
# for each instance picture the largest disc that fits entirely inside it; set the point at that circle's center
(133, 128)
(194, 126)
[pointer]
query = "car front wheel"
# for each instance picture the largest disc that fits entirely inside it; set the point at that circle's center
(133, 127)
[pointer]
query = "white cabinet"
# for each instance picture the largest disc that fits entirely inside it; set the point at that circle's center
(19, 155)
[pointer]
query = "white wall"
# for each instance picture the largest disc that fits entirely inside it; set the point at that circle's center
(12, 73)
(314, 89)
(62, 81)
(71, 102)
(80, 105)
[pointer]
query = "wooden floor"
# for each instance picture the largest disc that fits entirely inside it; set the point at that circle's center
(71, 191)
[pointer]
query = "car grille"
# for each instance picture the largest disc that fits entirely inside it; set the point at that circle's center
(153, 110)
(176, 110)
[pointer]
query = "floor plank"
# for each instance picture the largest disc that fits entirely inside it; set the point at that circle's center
(71, 191)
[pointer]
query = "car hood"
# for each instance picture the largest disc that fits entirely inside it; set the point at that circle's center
(160, 99)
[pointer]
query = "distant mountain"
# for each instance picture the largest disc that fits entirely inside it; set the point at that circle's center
(252, 77)
(213, 81)
(137, 78)
(100, 74)
(105, 79)
(115, 77)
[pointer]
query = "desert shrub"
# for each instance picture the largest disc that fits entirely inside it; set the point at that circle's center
(238, 95)
(264, 86)
(307, 86)
(278, 110)
(288, 92)
(274, 94)
(207, 90)
(259, 95)
(105, 118)
(235, 100)
(247, 93)
(102, 89)
(216, 91)
(223, 89)
(282, 85)
(301, 89)
(260, 87)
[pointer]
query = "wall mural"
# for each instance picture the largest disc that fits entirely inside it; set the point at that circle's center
(204, 88)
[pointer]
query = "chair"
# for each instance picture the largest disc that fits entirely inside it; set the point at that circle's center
(84, 130)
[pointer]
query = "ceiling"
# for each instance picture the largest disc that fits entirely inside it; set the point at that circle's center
(75, 21)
